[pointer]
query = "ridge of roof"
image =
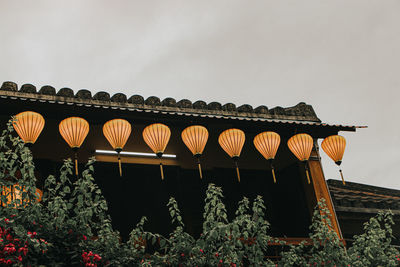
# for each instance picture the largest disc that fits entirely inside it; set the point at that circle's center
(301, 111)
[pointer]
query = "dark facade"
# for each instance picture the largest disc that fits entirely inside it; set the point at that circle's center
(141, 192)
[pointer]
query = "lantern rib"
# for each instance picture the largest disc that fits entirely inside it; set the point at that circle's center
(28, 121)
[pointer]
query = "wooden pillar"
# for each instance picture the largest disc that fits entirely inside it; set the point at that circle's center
(320, 186)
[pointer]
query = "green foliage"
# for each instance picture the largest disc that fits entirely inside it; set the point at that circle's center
(373, 247)
(325, 247)
(71, 227)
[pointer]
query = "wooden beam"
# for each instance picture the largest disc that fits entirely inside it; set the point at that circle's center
(320, 186)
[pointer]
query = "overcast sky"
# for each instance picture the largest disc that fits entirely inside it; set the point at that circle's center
(342, 57)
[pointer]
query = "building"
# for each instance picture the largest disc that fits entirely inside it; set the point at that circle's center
(141, 192)
(356, 203)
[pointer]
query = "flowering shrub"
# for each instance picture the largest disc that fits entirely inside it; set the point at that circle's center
(90, 259)
(15, 245)
(71, 227)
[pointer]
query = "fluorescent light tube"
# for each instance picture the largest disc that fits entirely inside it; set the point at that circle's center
(134, 154)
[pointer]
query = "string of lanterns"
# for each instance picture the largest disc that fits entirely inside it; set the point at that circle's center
(74, 130)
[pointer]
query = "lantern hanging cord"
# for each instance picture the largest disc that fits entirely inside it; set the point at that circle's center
(341, 174)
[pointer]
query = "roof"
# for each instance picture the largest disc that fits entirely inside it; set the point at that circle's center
(355, 197)
(301, 113)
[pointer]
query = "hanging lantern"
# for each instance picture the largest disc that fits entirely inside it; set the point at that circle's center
(267, 143)
(157, 137)
(28, 125)
(334, 147)
(117, 132)
(232, 141)
(301, 146)
(195, 138)
(74, 131)
(14, 193)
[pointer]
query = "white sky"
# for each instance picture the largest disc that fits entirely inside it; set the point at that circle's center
(340, 56)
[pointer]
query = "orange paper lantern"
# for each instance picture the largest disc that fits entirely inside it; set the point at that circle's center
(28, 125)
(301, 146)
(267, 143)
(334, 147)
(195, 138)
(232, 141)
(74, 131)
(157, 137)
(117, 132)
(14, 193)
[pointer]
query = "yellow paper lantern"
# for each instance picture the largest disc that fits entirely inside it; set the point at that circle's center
(14, 193)
(195, 138)
(28, 125)
(117, 132)
(157, 137)
(301, 146)
(334, 147)
(74, 131)
(232, 141)
(267, 143)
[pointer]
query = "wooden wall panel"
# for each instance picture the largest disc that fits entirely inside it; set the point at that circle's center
(320, 187)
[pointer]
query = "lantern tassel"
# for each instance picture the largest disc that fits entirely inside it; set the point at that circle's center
(162, 171)
(307, 172)
(341, 174)
(272, 169)
(237, 170)
(308, 176)
(76, 164)
(273, 175)
(119, 164)
(238, 173)
(201, 174)
(198, 164)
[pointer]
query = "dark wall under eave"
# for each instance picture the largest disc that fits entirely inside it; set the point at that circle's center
(141, 192)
